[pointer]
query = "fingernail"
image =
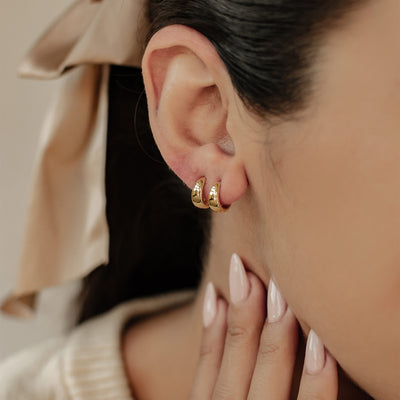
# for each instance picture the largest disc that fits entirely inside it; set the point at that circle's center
(238, 282)
(209, 305)
(275, 303)
(315, 354)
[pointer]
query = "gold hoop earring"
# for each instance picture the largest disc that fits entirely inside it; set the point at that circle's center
(197, 194)
(214, 201)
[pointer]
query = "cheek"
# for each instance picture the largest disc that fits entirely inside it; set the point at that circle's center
(333, 244)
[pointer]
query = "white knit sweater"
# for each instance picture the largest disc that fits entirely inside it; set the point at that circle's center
(86, 364)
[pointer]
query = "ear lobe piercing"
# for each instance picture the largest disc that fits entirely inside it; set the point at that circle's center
(214, 201)
(197, 194)
(213, 198)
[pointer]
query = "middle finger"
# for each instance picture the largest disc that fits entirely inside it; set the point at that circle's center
(246, 317)
(274, 369)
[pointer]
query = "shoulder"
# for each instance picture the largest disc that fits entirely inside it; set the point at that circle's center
(86, 361)
(152, 348)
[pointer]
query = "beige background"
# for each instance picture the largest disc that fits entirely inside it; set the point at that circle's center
(22, 107)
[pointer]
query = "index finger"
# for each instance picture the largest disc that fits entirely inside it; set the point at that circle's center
(212, 345)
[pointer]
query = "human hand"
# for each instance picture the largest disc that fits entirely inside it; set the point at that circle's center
(245, 356)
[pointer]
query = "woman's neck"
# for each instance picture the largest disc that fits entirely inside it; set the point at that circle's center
(164, 349)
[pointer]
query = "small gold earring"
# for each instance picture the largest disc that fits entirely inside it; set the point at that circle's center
(197, 194)
(214, 201)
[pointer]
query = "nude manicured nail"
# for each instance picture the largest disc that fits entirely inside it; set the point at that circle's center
(209, 305)
(238, 282)
(275, 303)
(315, 354)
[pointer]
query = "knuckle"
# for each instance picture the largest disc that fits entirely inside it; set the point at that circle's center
(268, 351)
(269, 348)
(206, 351)
(237, 333)
(222, 392)
(311, 395)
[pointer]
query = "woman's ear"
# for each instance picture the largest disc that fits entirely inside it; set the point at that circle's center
(190, 96)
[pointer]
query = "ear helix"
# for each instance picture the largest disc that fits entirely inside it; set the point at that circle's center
(213, 201)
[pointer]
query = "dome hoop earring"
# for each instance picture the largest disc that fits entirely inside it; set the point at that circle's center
(197, 194)
(214, 200)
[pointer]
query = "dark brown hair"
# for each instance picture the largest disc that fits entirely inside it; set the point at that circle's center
(157, 237)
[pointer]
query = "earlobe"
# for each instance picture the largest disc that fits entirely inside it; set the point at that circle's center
(189, 94)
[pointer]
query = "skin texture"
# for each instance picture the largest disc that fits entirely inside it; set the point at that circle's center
(316, 197)
(332, 222)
